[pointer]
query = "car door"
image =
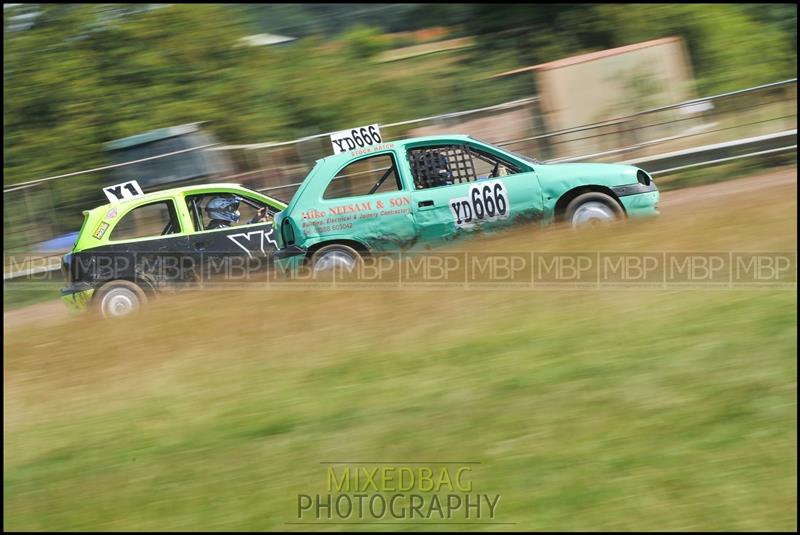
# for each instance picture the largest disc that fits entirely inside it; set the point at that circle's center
(518, 178)
(147, 242)
(462, 187)
(241, 251)
(365, 201)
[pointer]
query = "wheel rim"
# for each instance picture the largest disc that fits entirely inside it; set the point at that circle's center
(333, 260)
(592, 213)
(119, 302)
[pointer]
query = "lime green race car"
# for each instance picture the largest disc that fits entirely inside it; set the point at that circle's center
(139, 245)
(376, 196)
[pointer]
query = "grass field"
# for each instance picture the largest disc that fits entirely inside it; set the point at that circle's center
(586, 409)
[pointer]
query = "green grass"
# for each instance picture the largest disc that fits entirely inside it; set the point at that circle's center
(22, 293)
(587, 409)
(609, 410)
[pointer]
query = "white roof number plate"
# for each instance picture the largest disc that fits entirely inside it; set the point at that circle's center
(356, 138)
(126, 190)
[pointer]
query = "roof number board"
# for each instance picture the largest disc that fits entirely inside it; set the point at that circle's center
(126, 190)
(356, 138)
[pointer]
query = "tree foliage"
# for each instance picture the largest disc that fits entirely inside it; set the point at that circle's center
(83, 74)
(731, 45)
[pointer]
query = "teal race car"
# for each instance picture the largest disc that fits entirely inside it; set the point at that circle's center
(412, 194)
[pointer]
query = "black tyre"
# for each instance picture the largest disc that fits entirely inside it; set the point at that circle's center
(119, 298)
(593, 208)
(336, 256)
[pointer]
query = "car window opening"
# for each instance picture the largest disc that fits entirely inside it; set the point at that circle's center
(198, 204)
(364, 177)
(445, 165)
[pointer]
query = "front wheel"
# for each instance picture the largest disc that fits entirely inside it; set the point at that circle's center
(591, 209)
(336, 256)
(119, 298)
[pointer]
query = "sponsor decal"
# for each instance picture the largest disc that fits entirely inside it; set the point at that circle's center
(485, 201)
(254, 240)
(347, 208)
(342, 217)
(375, 148)
(100, 230)
(111, 214)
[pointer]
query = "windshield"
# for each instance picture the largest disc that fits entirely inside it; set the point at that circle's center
(511, 152)
(523, 157)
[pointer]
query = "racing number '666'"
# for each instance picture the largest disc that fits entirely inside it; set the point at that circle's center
(368, 136)
(485, 201)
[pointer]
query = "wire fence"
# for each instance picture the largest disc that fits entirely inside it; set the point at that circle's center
(36, 211)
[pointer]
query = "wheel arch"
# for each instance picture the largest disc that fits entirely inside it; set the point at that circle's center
(355, 244)
(563, 201)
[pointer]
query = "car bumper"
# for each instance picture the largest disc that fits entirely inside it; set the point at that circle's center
(639, 200)
(641, 205)
(77, 296)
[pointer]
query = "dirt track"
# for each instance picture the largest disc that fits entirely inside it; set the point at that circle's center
(688, 199)
(43, 312)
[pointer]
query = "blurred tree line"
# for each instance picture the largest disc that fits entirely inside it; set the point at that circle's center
(732, 46)
(79, 75)
(303, 20)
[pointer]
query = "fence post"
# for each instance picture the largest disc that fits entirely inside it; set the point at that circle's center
(28, 216)
(543, 146)
(264, 173)
(54, 226)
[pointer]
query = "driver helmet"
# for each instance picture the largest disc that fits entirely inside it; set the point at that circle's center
(433, 169)
(224, 208)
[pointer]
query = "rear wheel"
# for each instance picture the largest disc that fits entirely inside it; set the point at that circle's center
(591, 209)
(119, 298)
(337, 256)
